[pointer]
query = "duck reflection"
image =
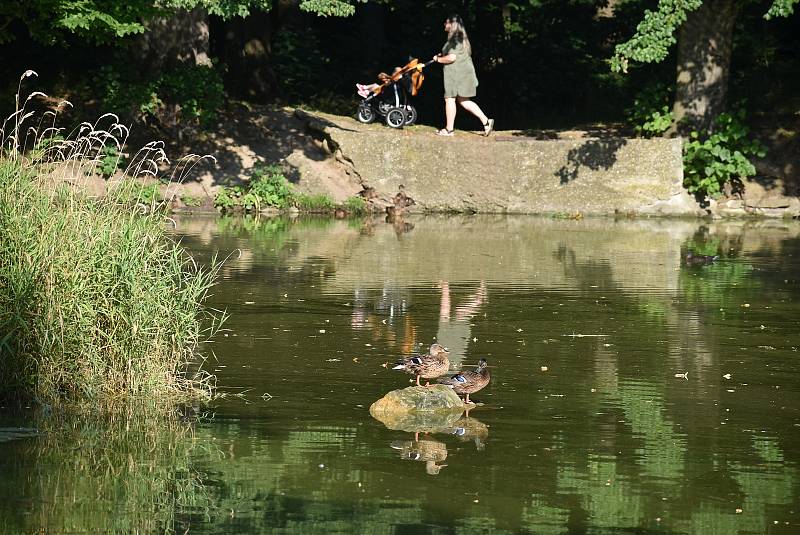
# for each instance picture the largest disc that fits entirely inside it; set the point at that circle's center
(468, 429)
(425, 450)
(423, 447)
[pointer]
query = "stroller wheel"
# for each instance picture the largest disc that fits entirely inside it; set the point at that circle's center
(411, 115)
(365, 114)
(396, 117)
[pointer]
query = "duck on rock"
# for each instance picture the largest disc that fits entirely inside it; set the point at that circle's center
(429, 366)
(468, 382)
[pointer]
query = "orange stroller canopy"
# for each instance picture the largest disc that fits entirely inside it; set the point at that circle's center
(414, 67)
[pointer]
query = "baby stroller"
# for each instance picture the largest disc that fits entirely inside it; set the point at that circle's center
(392, 98)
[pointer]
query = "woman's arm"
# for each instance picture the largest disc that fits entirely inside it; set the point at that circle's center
(444, 59)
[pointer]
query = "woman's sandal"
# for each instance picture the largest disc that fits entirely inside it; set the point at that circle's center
(444, 132)
(488, 127)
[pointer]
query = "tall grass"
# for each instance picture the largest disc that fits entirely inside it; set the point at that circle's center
(96, 302)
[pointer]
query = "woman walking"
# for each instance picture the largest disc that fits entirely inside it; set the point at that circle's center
(460, 82)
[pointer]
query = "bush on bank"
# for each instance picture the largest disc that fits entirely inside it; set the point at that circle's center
(97, 303)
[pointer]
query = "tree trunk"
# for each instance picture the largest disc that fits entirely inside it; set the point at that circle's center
(181, 38)
(704, 58)
(245, 46)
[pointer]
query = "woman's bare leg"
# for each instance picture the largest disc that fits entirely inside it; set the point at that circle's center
(473, 108)
(450, 112)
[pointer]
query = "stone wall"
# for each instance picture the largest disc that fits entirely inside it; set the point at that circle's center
(508, 173)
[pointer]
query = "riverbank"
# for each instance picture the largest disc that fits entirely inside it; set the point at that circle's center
(587, 172)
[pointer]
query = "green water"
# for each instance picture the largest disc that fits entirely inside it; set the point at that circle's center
(630, 393)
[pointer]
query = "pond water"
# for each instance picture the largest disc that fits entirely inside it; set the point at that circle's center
(631, 392)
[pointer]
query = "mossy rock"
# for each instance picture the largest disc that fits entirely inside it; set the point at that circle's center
(418, 408)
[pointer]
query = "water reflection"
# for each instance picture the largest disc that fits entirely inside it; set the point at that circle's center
(468, 428)
(589, 322)
(455, 322)
(424, 450)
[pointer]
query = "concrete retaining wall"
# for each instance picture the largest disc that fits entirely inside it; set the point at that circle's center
(510, 173)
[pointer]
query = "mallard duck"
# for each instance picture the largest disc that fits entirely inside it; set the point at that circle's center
(468, 382)
(429, 366)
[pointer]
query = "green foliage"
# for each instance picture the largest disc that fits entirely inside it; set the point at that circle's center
(315, 203)
(267, 187)
(109, 160)
(198, 91)
(780, 8)
(189, 94)
(650, 114)
(133, 192)
(355, 205)
(191, 201)
(329, 8)
(270, 185)
(226, 199)
(225, 9)
(655, 34)
(710, 159)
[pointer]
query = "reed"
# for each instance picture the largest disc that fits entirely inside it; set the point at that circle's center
(97, 303)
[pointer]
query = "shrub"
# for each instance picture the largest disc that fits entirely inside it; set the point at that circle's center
(270, 186)
(650, 115)
(710, 159)
(267, 187)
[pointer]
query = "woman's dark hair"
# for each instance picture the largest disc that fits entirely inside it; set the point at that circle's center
(458, 33)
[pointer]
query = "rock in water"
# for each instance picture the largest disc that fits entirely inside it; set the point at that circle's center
(420, 399)
(418, 408)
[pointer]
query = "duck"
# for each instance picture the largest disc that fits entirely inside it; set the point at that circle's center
(429, 366)
(400, 202)
(468, 382)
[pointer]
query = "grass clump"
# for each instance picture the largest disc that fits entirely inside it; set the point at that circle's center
(355, 205)
(96, 302)
(315, 203)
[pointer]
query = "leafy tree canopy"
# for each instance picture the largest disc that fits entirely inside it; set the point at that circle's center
(655, 34)
(106, 20)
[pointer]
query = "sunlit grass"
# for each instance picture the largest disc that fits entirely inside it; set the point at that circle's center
(96, 302)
